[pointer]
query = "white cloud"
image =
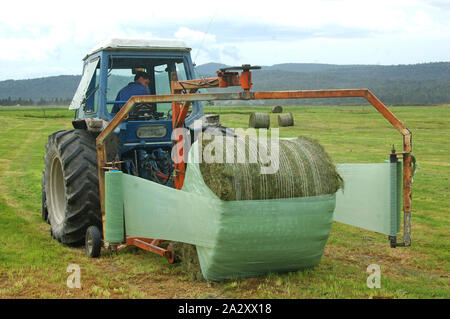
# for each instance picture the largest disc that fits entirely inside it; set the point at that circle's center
(50, 35)
(206, 48)
(32, 48)
(187, 34)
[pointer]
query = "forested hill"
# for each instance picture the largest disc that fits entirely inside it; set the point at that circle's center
(420, 84)
(52, 87)
(414, 84)
(437, 70)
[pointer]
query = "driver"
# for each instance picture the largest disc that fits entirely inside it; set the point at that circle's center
(138, 87)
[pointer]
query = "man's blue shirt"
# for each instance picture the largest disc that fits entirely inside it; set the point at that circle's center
(133, 88)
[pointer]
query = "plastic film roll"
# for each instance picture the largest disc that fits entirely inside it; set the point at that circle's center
(114, 221)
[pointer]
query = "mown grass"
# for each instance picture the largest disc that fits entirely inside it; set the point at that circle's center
(33, 265)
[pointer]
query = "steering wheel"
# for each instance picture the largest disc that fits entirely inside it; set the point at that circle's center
(143, 112)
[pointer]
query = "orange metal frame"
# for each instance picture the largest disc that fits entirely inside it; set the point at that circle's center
(184, 92)
(151, 245)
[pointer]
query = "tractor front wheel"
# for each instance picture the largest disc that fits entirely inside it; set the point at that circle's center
(71, 185)
(93, 242)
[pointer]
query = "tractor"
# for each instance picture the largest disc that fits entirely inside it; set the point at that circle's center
(141, 139)
(141, 145)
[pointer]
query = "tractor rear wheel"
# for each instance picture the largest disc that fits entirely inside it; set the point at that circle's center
(71, 185)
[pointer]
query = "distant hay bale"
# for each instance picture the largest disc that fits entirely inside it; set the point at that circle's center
(277, 109)
(285, 120)
(259, 120)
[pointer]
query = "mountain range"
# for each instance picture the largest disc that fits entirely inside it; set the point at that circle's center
(413, 84)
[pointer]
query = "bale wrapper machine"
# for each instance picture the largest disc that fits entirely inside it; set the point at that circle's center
(133, 149)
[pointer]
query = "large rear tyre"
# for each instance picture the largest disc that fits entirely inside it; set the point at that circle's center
(71, 185)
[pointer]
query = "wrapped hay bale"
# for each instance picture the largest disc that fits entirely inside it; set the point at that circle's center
(259, 120)
(285, 120)
(304, 169)
(277, 109)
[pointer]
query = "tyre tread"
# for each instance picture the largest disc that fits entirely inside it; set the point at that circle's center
(77, 152)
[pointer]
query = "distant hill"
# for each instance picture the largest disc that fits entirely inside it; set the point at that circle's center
(209, 69)
(434, 70)
(62, 87)
(420, 84)
(414, 84)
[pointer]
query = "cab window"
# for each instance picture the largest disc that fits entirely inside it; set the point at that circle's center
(121, 74)
(117, 79)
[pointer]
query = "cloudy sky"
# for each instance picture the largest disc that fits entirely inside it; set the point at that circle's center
(43, 38)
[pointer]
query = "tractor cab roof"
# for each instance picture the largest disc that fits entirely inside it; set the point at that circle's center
(140, 45)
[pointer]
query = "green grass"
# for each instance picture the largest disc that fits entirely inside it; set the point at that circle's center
(33, 265)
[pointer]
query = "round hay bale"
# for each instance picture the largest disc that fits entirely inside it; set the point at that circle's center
(259, 120)
(277, 109)
(304, 169)
(190, 262)
(187, 255)
(285, 120)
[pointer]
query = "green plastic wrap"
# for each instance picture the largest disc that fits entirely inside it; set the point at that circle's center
(251, 237)
(371, 198)
(233, 238)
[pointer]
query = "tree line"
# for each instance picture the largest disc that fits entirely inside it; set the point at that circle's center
(414, 84)
(417, 84)
(30, 102)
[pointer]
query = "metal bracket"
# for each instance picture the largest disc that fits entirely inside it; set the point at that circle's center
(112, 165)
(246, 95)
(406, 215)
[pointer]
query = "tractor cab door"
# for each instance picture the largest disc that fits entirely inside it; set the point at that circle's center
(85, 97)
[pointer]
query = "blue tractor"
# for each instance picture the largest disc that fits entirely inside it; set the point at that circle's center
(138, 140)
(142, 144)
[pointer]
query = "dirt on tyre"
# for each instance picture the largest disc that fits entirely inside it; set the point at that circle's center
(71, 185)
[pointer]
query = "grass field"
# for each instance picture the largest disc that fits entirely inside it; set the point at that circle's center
(33, 265)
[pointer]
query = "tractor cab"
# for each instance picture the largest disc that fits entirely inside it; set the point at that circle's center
(143, 140)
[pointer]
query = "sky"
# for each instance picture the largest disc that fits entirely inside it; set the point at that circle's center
(46, 38)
